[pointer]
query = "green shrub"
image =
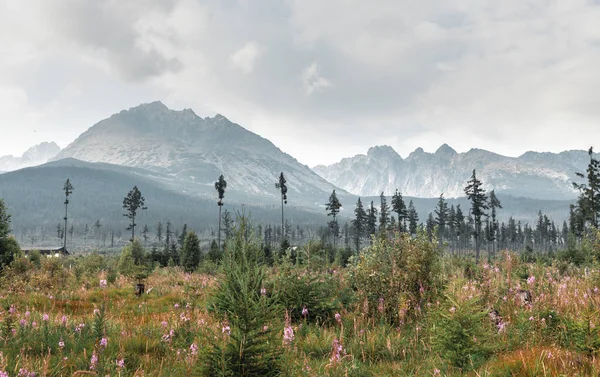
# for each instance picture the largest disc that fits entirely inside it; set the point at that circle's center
(398, 273)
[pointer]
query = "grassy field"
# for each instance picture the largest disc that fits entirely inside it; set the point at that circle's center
(400, 309)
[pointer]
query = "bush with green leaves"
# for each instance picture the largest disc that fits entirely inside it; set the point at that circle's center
(251, 347)
(132, 262)
(398, 273)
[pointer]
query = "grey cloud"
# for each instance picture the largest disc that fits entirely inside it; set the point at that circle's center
(110, 27)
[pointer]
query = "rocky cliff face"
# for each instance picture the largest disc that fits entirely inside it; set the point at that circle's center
(422, 174)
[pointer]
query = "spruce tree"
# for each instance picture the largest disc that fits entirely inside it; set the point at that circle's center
(494, 204)
(145, 232)
(430, 226)
(182, 236)
(282, 186)
(133, 202)
(68, 189)
(220, 186)
(399, 207)
(589, 200)
(441, 218)
(372, 220)
(190, 254)
(413, 218)
(359, 223)
(459, 226)
(159, 232)
(251, 348)
(333, 208)
(384, 213)
(7, 248)
(476, 195)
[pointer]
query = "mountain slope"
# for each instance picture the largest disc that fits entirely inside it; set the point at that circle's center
(422, 174)
(196, 150)
(36, 155)
(35, 199)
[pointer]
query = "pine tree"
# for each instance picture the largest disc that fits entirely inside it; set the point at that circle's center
(413, 218)
(478, 199)
(220, 186)
(589, 200)
(145, 232)
(441, 218)
(169, 233)
(8, 245)
(159, 232)
(227, 223)
(133, 202)
(182, 236)
(359, 224)
(384, 213)
(333, 208)
(459, 226)
(251, 349)
(371, 220)
(430, 226)
(281, 185)
(494, 204)
(98, 225)
(399, 207)
(190, 254)
(68, 189)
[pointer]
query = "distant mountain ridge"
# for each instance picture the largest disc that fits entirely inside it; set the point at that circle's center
(36, 155)
(539, 175)
(195, 151)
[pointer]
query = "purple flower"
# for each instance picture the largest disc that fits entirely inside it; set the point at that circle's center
(176, 306)
(12, 309)
(164, 323)
(226, 330)
(63, 320)
(263, 292)
(121, 363)
(34, 324)
(531, 280)
(45, 317)
(304, 312)
(194, 349)
(61, 344)
(288, 335)
(103, 284)
(27, 314)
(3, 374)
(452, 310)
(337, 352)
(93, 361)
(22, 322)
(103, 342)
(338, 317)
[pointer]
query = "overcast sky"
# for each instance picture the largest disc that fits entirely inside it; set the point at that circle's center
(322, 79)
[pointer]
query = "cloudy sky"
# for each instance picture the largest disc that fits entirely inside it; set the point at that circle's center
(322, 79)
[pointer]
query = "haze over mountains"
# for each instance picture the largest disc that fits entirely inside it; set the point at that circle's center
(421, 174)
(176, 156)
(36, 155)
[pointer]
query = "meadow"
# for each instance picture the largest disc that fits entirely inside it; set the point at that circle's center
(403, 307)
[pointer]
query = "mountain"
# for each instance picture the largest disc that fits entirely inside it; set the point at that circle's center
(421, 174)
(193, 151)
(35, 155)
(35, 200)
